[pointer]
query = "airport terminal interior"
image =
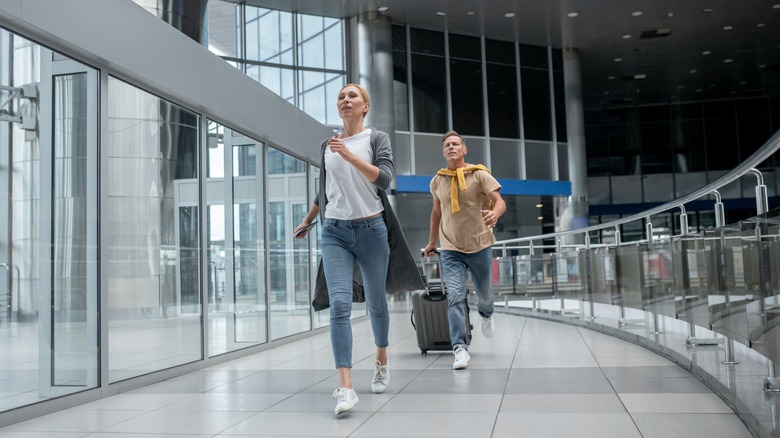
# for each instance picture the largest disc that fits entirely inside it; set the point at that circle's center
(156, 156)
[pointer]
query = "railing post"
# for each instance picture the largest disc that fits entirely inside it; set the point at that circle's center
(762, 200)
(720, 214)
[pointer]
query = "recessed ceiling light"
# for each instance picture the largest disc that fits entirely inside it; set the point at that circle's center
(382, 9)
(637, 13)
(470, 13)
(699, 90)
(573, 14)
(693, 71)
(776, 6)
(670, 14)
(638, 90)
(626, 36)
(540, 218)
(728, 27)
(606, 93)
(706, 52)
(640, 76)
(618, 59)
(707, 11)
(509, 14)
(538, 205)
(762, 66)
(611, 78)
(760, 25)
(441, 14)
(680, 87)
(743, 83)
(728, 60)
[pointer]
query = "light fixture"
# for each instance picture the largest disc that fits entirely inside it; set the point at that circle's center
(610, 77)
(761, 65)
(626, 36)
(440, 13)
(637, 13)
(382, 9)
(699, 90)
(728, 27)
(706, 52)
(728, 60)
(777, 6)
(538, 205)
(618, 59)
(693, 71)
(640, 76)
(470, 13)
(573, 14)
(707, 11)
(509, 14)
(541, 218)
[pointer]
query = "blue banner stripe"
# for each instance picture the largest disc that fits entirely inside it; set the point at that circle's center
(421, 184)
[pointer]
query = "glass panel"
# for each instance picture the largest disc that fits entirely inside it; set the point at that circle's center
(269, 35)
(505, 158)
(313, 95)
(539, 160)
(288, 202)
(224, 29)
(626, 189)
(428, 154)
(237, 293)
(152, 271)
(279, 80)
(537, 121)
(73, 353)
(429, 94)
(502, 101)
(468, 116)
(657, 188)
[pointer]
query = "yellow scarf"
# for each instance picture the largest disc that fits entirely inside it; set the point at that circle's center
(458, 174)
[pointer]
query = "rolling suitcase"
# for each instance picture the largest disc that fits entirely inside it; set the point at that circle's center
(429, 310)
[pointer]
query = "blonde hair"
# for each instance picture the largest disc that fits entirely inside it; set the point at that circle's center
(363, 94)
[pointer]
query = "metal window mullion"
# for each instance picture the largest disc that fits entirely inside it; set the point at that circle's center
(448, 78)
(521, 125)
(410, 100)
(485, 112)
(556, 172)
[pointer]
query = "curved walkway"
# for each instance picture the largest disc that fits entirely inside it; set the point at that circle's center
(534, 378)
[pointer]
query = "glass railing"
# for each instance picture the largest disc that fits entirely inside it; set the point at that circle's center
(708, 300)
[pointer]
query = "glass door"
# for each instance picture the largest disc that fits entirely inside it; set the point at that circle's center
(236, 244)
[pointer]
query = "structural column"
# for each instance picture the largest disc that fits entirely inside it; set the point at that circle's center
(372, 67)
(573, 212)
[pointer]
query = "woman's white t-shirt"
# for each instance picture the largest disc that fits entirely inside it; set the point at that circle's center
(350, 194)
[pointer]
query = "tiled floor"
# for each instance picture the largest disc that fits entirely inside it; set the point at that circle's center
(534, 378)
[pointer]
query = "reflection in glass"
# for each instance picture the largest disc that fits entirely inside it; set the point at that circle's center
(151, 240)
(236, 289)
(288, 202)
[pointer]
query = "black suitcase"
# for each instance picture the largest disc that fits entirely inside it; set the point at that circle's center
(429, 311)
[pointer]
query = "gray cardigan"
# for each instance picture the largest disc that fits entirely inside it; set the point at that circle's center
(402, 272)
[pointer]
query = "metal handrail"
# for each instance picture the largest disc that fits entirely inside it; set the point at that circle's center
(766, 151)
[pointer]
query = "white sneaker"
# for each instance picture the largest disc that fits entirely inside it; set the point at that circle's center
(346, 399)
(381, 378)
(462, 359)
(488, 326)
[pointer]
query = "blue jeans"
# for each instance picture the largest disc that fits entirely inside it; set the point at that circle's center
(344, 242)
(454, 267)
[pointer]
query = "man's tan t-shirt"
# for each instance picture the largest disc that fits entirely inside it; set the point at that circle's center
(464, 231)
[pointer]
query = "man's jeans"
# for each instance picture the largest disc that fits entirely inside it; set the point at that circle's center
(454, 266)
(344, 242)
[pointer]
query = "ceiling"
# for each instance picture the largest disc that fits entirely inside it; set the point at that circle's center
(697, 49)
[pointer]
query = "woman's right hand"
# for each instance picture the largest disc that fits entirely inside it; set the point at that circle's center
(300, 232)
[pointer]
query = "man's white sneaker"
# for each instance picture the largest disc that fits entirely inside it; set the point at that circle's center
(346, 399)
(462, 359)
(381, 378)
(488, 326)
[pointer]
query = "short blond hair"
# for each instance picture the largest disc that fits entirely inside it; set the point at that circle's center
(450, 134)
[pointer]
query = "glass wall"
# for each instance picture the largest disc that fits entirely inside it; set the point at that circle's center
(676, 148)
(236, 240)
(299, 57)
(48, 224)
(152, 273)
